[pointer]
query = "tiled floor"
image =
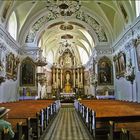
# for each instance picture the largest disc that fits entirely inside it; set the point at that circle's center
(67, 126)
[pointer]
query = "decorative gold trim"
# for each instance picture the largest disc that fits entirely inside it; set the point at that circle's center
(122, 63)
(9, 65)
(105, 68)
(27, 72)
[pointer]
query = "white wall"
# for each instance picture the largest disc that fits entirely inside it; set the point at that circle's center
(124, 90)
(9, 88)
(9, 91)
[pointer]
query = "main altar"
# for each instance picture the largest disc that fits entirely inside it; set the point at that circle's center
(67, 75)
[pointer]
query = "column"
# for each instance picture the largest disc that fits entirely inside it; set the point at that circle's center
(53, 75)
(61, 78)
(81, 76)
(74, 78)
(74, 60)
(57, 77)
(78, 77)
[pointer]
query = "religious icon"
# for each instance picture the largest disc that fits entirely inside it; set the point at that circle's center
(9, 65)
(105, 71)
(27, 72)
(122, 63)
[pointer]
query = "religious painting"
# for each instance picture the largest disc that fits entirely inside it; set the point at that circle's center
(117, 67)
(138, 55)
(9, 65)
(2, 64)
(15, 68)
(105, 75)
(27, 73)
(122, 63)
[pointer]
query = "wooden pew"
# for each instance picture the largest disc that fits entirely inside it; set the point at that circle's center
(124, 135)
(4, 136)
(129, 124)
(134, 135)
(33, 110)
(116, 111)
(24, 129)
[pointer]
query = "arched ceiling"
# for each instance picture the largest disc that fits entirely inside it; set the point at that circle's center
(97, 21)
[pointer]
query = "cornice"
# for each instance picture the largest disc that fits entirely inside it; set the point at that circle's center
(128, 35)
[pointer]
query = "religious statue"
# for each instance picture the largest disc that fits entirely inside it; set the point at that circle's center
(67, 78)
(67, 85)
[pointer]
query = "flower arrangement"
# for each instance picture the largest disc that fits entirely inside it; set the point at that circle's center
(130, 74)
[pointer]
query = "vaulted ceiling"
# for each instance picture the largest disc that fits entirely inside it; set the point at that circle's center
(97, 22)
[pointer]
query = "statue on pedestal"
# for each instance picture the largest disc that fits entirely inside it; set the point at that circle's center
(67, 85)
(67, 78)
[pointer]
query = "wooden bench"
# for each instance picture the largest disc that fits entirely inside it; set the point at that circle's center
(110, 110)
(36, 111)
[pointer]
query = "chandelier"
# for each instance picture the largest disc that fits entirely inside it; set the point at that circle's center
(65, 45)
(63, 7)
(40, 61)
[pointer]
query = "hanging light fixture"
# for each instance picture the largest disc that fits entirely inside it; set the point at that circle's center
(63, 7)
(64, 45)
(40, 61)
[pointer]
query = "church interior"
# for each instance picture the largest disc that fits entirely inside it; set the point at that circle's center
(70, 69)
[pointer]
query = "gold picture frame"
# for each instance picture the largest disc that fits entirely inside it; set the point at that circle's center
(105, 68)
(27, 72)
(122, 63)
(9, 65)
(116, 65)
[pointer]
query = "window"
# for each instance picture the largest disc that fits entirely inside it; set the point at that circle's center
(12, 25)
(50, 57)
(83, 55)
(137, 8)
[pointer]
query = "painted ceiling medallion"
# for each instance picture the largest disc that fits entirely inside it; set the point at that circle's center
(66, 27)
(67, 36)
(63, 7)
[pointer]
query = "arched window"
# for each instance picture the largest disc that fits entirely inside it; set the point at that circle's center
(83, 55)
(12, 25)
(50, 57)
(137, 8)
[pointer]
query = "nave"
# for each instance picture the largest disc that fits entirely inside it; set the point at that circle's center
(67, 126)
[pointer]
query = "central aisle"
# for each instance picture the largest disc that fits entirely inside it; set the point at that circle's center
(67, 126)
